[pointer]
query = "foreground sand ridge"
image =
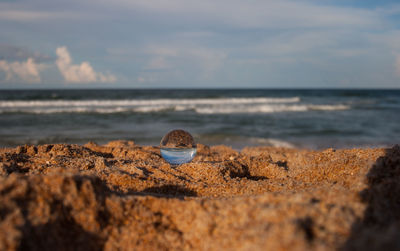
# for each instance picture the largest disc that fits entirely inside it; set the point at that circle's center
(125, 196)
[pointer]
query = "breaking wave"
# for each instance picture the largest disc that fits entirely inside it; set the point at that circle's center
(201, 106)
(144, 102)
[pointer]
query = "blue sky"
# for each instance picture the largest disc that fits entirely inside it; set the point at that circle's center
(199, 44)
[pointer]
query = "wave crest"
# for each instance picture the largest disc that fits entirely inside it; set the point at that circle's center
(201, 106)
(144, 102)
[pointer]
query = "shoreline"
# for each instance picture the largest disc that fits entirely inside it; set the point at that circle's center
(122, 195)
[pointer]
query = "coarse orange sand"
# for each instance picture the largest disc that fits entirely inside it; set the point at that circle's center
(123, 196)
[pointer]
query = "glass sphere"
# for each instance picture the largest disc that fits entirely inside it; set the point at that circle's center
(178, 147)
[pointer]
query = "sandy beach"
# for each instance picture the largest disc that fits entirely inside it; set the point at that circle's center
(125, 196)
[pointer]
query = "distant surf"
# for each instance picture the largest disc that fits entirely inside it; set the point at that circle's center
(201, 106)
(238, 118)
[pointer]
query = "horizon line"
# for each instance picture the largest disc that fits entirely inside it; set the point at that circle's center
(206, 88)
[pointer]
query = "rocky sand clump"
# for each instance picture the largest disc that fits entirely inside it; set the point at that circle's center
(125, 196)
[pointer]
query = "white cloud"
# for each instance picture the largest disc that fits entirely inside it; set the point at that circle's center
(210, 60)
(28, 15)
(148, 78)
(238, 13)
(11, 52)
(27, 71)
(158, 63)
(180, 61)
(75, 73)
(257, 14)
(25, 11)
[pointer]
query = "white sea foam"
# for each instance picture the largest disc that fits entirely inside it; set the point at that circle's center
(145, 102)
(69, 110)
(269, 109)
(201, 106)
(272, 142)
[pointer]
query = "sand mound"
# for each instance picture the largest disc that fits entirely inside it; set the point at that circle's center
(125, 196)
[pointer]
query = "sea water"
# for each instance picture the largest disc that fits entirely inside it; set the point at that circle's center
(315, 119)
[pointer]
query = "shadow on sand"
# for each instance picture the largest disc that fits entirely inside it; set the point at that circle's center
(379, 229)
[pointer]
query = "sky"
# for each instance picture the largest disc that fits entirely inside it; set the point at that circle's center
(199, 44)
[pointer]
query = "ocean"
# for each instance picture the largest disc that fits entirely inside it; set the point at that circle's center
(313, 119)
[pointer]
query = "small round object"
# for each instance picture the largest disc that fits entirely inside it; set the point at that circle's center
(178, 147)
